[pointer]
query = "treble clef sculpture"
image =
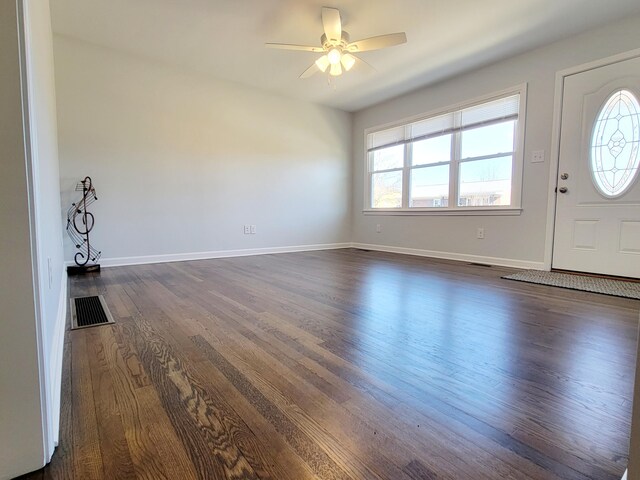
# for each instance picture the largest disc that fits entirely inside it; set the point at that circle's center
(79, 223)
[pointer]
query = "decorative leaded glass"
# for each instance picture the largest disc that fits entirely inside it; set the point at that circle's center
(615, 143)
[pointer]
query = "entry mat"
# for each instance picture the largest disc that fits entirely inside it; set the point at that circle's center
(606, 286)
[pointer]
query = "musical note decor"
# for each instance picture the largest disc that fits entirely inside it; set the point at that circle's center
(79, 224)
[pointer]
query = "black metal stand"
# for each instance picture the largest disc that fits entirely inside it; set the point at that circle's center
(76, 270)
(80, 233)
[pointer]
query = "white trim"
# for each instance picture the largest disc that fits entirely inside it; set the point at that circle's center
(472, 212)
(624, 477)
(462, 257)
(554, 157)
(30, 137)
(56, 355)
(182, 257)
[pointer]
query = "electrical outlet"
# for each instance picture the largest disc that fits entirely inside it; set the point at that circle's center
(378, 228)
(480, 233)
(537, 156)
(247, 229)
(253, 229)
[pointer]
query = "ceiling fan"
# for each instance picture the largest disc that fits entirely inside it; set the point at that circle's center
(338, 51)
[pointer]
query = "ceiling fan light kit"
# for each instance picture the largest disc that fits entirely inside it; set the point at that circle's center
(348, 61)
(338, 51)
(323, 63)
(334, 56)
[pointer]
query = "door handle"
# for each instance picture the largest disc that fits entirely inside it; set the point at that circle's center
(563, 189)
(564, 176)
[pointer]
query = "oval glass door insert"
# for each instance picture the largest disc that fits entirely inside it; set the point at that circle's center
(615, 143)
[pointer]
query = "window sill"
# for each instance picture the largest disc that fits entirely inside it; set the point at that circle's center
(472, 212)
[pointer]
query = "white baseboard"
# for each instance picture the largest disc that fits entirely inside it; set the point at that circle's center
(181, 257)
(462, 257)
(55, 366)
(624, 477)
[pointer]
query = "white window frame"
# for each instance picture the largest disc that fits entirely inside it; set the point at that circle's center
(515, 208)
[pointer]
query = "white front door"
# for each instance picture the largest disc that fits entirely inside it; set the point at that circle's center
(597, 225)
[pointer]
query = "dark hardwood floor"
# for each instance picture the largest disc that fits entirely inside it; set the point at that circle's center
(345, 364)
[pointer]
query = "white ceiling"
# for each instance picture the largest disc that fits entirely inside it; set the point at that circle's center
(225, 38)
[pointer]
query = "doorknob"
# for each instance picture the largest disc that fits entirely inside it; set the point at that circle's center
(563, 189)
(564, 176)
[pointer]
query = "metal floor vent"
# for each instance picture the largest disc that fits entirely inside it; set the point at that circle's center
(89, 312)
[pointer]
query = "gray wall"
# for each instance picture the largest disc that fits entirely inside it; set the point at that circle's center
(181, 162)
(520, 238)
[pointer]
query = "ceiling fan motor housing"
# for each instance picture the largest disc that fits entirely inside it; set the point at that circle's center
(328, 44)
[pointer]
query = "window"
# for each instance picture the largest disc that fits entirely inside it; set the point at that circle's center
(467, 158)
(614, 144)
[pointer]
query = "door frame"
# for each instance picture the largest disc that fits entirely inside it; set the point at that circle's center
(554, 155)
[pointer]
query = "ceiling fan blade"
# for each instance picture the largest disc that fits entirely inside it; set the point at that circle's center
(331, 23)
(362, 63)
(288, 46)
(310, 71)
(375, 43)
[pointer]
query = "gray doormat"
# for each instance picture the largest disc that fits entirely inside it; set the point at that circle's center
(606, 286)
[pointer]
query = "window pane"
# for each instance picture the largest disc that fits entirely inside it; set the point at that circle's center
(485, 182)
(388, 158)
(432, 150)
(488, 140)
(386, 190)
(614, 144)
(430, 186)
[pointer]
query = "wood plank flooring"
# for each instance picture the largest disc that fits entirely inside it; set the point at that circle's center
(344, 364)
